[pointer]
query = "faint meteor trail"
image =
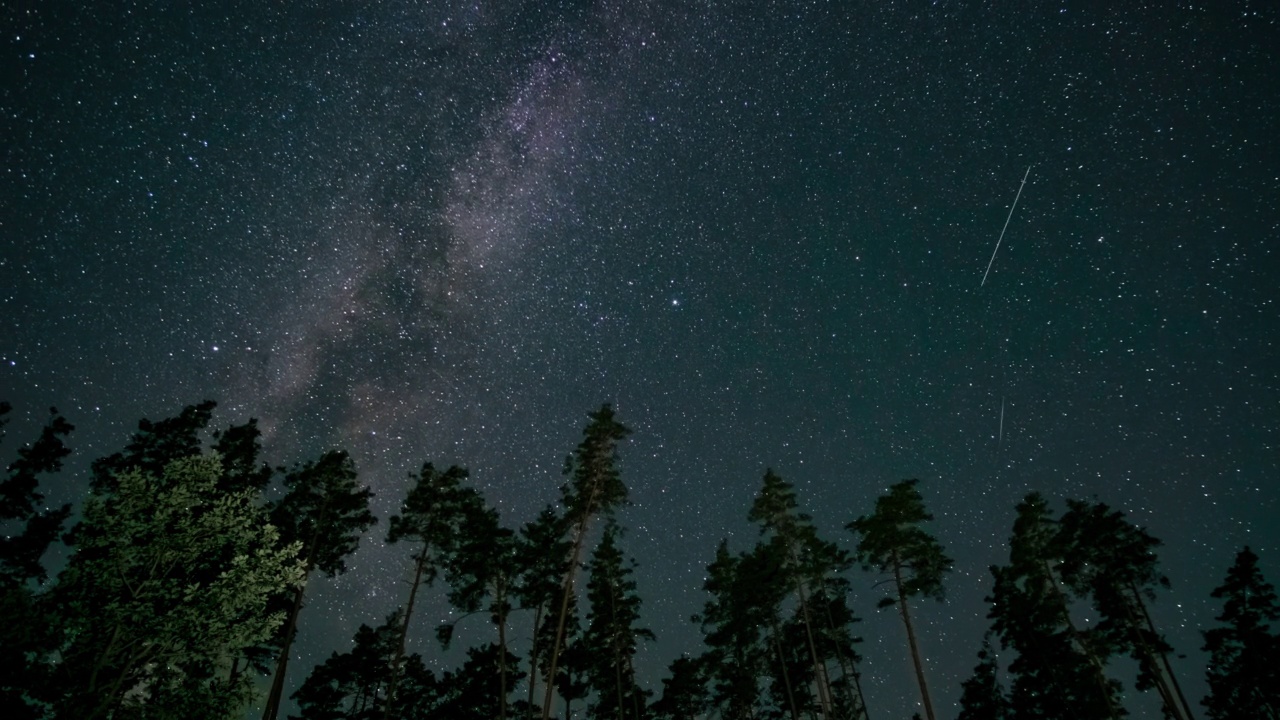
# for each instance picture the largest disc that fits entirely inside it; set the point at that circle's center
(1006, 226)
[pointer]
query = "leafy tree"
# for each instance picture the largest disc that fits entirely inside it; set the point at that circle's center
(1058, 671)
(171, 578)
(892, 541)
(595, 488)
(1113, 562)
(1244, 677)
(982, 697)
(611, 636)
(433, 514)
(325, 511)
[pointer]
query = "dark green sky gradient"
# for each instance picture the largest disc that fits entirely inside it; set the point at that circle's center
(445, 233)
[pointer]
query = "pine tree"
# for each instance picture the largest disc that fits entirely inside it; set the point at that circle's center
(326, 511)
(611, 637)
(154, 446)
(982, 697)
(736, 652)
(434, 515)
(540, 555)
(892, 541)
(595, 489)
(806, 561)
(1058, 671)
(1113, 562)
(481, 567)
(170, 580)
(20, 503)
(684, 693)
(1243, 673)
(28, 531)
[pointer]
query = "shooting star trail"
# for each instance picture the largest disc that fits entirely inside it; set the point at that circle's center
(1006, 226)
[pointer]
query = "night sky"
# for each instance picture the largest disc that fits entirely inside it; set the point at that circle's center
(446, 231)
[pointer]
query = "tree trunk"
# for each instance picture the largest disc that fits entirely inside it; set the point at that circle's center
(911, 639)
(282, 662)
(1098, 674)
(782, 662)
(1184, 711)
(533, 653)
(404, 633)
(819, 668)
(569, 575)
(501, 593)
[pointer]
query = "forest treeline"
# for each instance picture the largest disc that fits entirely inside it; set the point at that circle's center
(191, 559)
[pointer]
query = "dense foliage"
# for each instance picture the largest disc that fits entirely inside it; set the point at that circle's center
(188, 567)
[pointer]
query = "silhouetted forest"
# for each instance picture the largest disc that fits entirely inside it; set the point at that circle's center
(191, 558)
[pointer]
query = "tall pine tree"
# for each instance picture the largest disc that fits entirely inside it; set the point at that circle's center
(612, 637)
(595, 488)
(326, 511)
(892, 541)
(1244, 653)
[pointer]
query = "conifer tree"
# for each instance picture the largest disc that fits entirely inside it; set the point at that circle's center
(892, 541)
(1244, 672)
(611, 636)
(1058, 671)
(326, 511)
(540, 555)
(434, 514)
(595, 488)
(684, 693)
(28, 530)
(154, 446)
(1109, 560)
(805, 559)
(481, 567)
(20, 503)
(982, 697)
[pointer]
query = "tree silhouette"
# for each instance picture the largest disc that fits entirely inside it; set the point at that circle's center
(433, 514)
(892, 541)
(1113, 562)
(326, 511)
(981, 696)
(611, 636)
(1243, 674)
(595, 488)
(1057, 673)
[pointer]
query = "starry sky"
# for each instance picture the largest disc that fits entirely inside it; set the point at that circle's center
(446, 231)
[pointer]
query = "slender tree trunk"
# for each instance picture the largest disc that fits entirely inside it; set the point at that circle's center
(501, 593)
(1078, 638)
(404, 633)
(569, 576)
(857, 705)
(533, 653)
(782, 662)
(282, 662)
(819, 668)
(1164, 657)
(911, 639)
